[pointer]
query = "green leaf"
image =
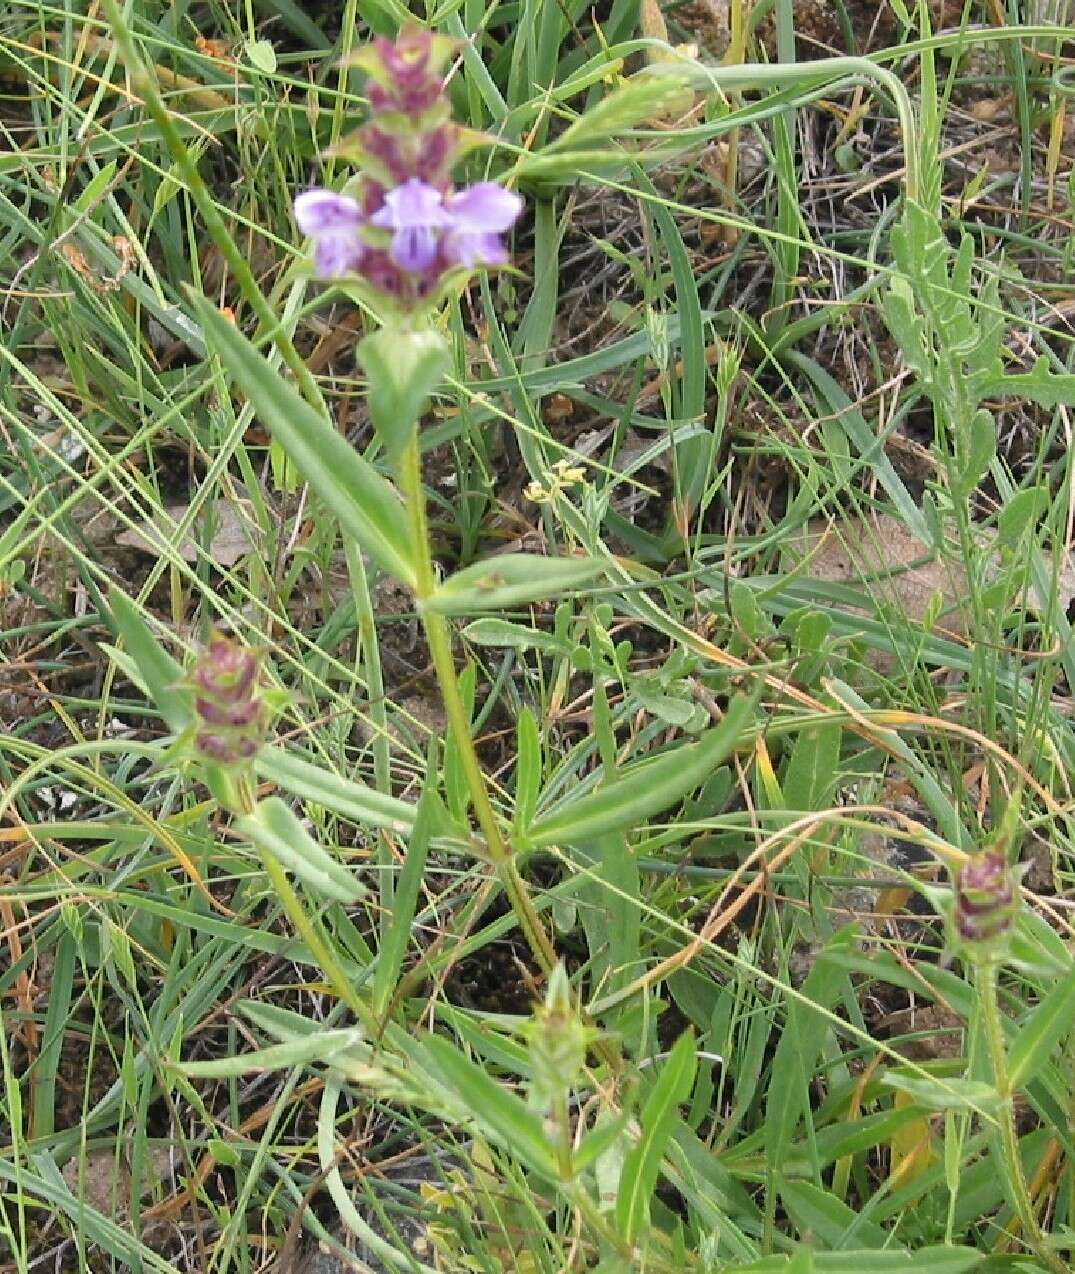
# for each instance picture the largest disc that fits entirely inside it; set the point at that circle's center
(367, 506)
(499, 1112)
(505, 633)
(320, 1047)
(1044, 1029)
(393, 946)
(954, 1093)
(262, 55)
(159, 672)
(528, 767)
(658, 1118)
(828, 1218)
(355, 801)
(814, 767)
(274, 829)
(1040, 385)
(1019, 514)
(981, 450)
(512, 579)
(403, 369)
(644, 789)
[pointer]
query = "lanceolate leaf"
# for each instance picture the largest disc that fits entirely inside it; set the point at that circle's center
(275, 829)
(1044, 1029)
(644, 789)
(365, 504)
(512, 579)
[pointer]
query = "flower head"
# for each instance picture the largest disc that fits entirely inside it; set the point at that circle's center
(334, 223)
(986, 901)
(228, 704)
(405, 153)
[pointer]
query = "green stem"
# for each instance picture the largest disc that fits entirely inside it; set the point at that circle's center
(439, 638)
(319, 948)
(986, 981)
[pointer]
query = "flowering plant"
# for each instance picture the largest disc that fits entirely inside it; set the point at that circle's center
(401, 230)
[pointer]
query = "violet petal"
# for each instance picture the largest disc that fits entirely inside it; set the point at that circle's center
(414, 248)
(414, 204)
(319, 212)
(485, 208)
(468, 248)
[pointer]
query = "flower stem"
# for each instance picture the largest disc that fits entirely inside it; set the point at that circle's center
(439, 638)
(986, 981)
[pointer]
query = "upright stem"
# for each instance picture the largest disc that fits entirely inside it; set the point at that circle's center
(439, 638)
(986, 980)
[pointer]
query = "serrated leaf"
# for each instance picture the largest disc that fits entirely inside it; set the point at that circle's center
(275, 829)
(512, 579)
(366, 505)
(1040, 385)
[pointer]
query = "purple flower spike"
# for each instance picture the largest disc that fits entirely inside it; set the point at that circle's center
(415, 211)
(334, 223)
(480, 215)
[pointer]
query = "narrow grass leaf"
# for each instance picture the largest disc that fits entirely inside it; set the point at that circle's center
(393, 948)
(643, 1162)
(366, 505)
(1045, 1028)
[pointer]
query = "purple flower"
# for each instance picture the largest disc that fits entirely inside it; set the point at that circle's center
(415, 212)
(334, 223)
(480, 215)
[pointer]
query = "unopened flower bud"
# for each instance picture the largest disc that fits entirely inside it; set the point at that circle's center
(558, 1041)
(987, 901)
(228, 703)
